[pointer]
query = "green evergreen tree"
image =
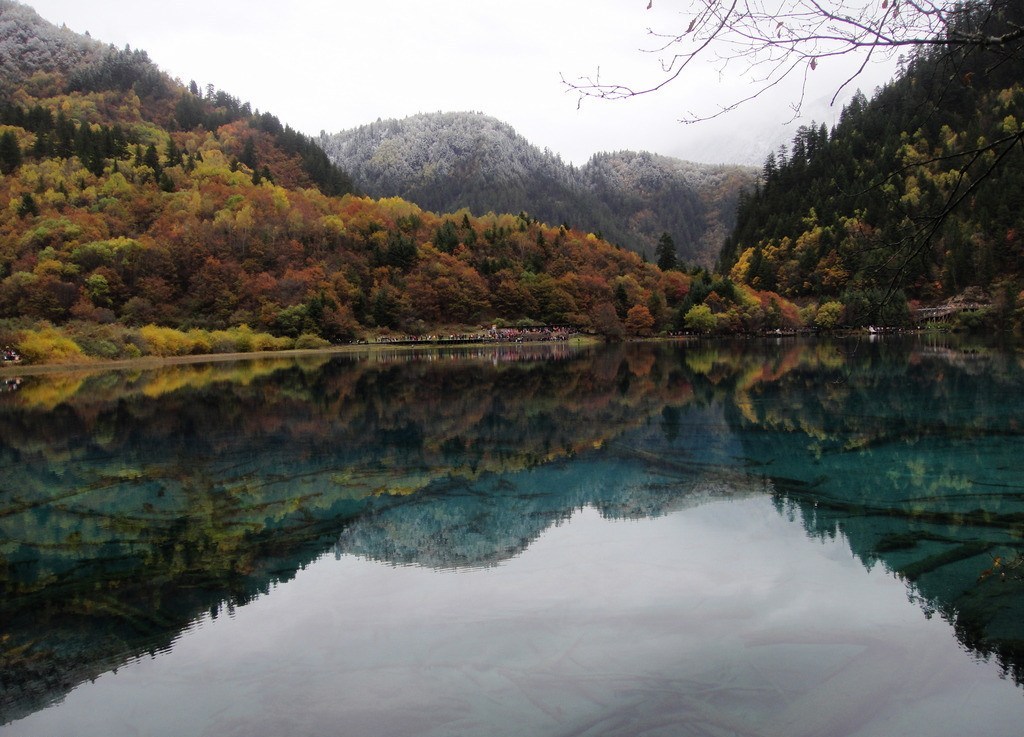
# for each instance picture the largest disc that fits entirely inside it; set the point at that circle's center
(446, 238)
(65, 136)
(249, 154)
(95, 162)
(666, 253)
(152, 159)
(10, 152)
(28, 206)
(173, 153)
(621, 301)
(165, 182)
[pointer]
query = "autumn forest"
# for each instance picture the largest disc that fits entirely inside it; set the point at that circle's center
(144, 216)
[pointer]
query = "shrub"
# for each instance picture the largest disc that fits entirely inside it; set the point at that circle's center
(245, 340)
(221, 341)
(103, 340)
(308, 340)
(160, 341)
(975, 321)
(201, 341)
(699, 318)
(828, 316)
(48, 345)
(242, 337)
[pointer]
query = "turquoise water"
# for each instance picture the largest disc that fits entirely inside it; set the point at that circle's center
(777, 539)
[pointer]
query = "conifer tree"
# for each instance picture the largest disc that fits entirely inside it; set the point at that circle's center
(10, 152)
(152, 160)
(173, 153)
(666, 253)
(28, 206)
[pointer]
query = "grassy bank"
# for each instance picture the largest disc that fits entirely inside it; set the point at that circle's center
(62, 358)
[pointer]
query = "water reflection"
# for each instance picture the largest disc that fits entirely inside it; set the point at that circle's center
(139, 501)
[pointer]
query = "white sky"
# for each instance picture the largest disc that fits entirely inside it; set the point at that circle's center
(337, 64)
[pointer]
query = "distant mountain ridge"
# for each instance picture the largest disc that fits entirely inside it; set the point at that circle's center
(451, 160)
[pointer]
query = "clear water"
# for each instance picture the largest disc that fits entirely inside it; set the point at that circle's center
(778, 539)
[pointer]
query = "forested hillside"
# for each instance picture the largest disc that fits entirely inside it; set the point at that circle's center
(146, 216)
(914, 195)
(446, 161)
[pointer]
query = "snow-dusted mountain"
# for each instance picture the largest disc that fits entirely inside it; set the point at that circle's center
(447, 161)
(29, 45)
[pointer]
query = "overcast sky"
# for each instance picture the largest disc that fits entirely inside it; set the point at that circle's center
(336, 64)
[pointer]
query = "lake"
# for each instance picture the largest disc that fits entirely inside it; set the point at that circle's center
(777, 538)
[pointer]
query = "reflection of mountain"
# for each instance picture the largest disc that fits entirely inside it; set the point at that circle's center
(496, 517)
(912, 455)
(140, 501)
(135, 502)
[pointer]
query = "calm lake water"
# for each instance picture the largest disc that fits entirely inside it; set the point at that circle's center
(782, 539)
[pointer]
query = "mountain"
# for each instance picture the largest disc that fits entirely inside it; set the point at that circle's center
(29, 45)
(147, 217)
(107, 89)
(447, 161)
(144, 216)
(647, 194)
(914, 195)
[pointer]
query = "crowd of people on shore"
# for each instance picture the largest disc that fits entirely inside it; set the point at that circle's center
(494, 353)
(9, 356)
(494, 334)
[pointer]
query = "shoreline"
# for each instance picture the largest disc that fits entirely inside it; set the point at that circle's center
(352, 349)
(155, 362)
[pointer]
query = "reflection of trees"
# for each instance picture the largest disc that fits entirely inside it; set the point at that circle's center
(913, 456)
(909, 453)
(136, 501)
(139, 501)
(940, 554)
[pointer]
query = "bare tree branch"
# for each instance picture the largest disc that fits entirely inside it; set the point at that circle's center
(786, 37)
